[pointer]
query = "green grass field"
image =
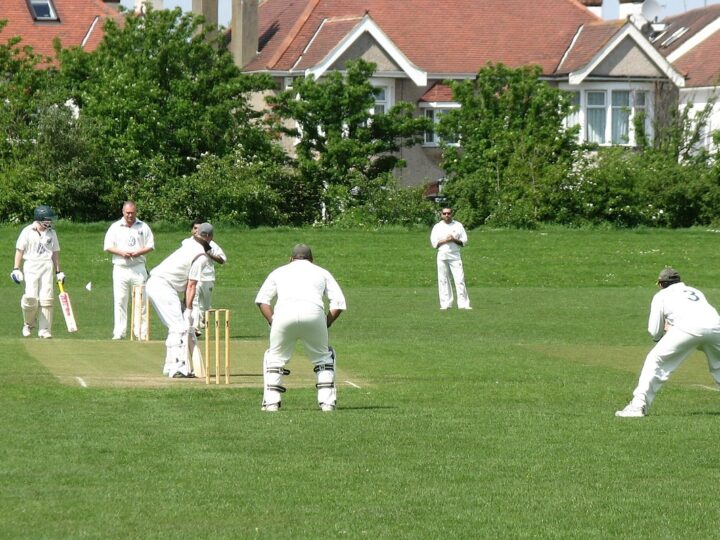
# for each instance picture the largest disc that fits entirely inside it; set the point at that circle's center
(492, 423)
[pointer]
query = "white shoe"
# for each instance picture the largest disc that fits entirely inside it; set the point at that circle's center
(45, 334)
(27, 330)
(117, 338)
(327, 407)
(632, 411)
(466, 307)
(272, 407)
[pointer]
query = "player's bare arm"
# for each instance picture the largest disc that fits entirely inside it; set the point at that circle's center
(267, 312)
(332, 316)
(190, 291)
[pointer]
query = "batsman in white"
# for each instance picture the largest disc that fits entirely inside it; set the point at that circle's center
(448, 236)
(299, 314)
(179, 274)
(38, 250)
(681, 320)
(128, 240)
(203, 294)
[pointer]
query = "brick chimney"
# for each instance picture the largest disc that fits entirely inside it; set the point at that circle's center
(244, 26)
(594, 6)
(206, 8)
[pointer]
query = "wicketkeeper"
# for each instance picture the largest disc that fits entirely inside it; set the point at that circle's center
(37, 262)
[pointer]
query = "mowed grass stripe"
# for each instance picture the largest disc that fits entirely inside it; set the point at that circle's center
(106, 364)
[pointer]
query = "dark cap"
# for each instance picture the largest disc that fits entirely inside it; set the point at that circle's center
(301, 251)
(669, 275)
(205, 229)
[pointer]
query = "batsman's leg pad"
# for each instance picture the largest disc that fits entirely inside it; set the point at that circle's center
(29, 306)
(177, 353)
(325, 373)
(272, 379)
(46, 315)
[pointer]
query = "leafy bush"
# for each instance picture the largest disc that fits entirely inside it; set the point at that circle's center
(386, 204)
(233, 189)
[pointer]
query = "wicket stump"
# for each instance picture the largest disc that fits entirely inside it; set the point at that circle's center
(140, 301)
(217, 318)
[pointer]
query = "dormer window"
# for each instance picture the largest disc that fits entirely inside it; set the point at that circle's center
(43, 10)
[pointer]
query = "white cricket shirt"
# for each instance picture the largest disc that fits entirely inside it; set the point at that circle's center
(683, 307)
(37, 245)
(183, 264)
(301, 283)
(137, 236)
(440, 231)
(209, 269)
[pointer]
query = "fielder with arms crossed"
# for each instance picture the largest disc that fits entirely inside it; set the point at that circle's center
(38, 249)
(128, 240)
(179, 273)
(299, 313)
(681, 320)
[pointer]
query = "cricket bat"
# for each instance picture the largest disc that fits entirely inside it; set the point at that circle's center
(67, 309)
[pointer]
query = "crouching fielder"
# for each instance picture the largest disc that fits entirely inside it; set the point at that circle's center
(179, 274)
(299, 314)
(681, 320)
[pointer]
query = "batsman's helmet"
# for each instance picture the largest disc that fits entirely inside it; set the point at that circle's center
(44, 213)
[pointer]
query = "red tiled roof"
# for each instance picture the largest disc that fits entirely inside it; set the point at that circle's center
(593, 37)
(702, 63)
(438, 92)
(694, 20)
(80, 20)
(329, 35)
(438, 36)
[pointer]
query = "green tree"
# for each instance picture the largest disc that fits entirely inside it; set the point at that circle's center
(514, 147)
(345, 153)
(163, 93)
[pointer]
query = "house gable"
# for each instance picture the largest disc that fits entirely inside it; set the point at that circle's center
(626, 44)
(383, 42)
(368, 49)
(627, 59)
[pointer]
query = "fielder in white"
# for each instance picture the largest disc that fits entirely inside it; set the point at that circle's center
(299, 314)
(128, 240)
(681, 320)
(38, 251)
(179, 274)
(203, 294)
(448, 236)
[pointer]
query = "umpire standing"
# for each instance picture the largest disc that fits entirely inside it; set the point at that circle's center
(299, 314)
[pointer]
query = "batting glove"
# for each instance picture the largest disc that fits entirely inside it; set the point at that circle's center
(187, 316)
(17, 276)
(60, 276)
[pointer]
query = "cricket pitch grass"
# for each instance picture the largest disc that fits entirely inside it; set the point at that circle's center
(492, 423)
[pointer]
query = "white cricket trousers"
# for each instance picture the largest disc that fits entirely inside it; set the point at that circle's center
(167, 304)
(446, 267)
(124, 279)
(202, 302)
(669, 353)
(307, 323)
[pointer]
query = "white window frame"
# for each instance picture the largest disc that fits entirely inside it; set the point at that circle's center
(581, 116)
(388, 99)
(52, 12)
(436, 109)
